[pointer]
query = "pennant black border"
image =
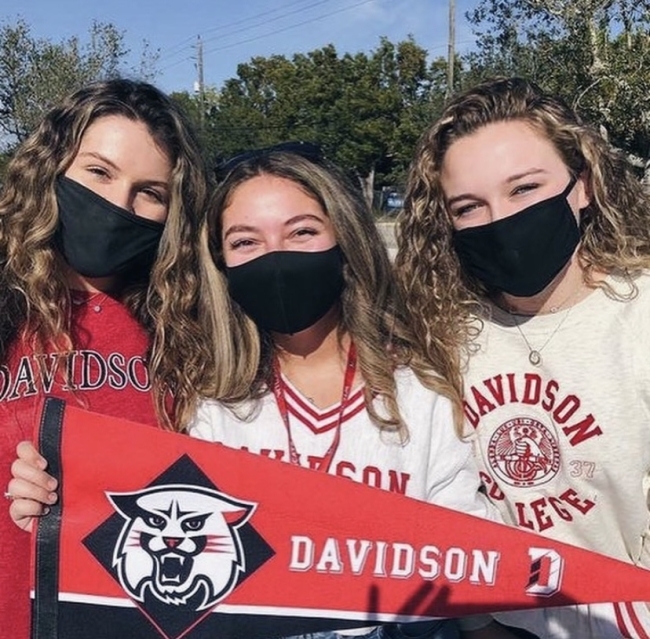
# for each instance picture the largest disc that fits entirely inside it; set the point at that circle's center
(48, 532)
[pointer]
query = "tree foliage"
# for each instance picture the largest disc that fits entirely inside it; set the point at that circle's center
(365, 110)
(197, 109)
(595, 53)
(37, 73)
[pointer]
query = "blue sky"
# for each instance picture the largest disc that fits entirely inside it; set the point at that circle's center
(233, 31)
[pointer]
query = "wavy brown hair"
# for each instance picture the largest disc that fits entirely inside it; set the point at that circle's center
(33, 289)
(372, 312)
(615, 227)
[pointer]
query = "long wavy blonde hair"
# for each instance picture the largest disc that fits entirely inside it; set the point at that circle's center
(615, 227)
(33, 289)
(372, 312)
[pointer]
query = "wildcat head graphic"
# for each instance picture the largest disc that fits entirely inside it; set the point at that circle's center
(179, 543)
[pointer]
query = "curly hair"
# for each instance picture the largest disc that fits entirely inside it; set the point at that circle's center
(615, 226)
(33, 287)
(372, 312)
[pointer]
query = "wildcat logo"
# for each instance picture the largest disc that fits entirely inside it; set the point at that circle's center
(180, 543)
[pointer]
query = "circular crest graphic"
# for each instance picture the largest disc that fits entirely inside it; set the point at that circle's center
(523, 452)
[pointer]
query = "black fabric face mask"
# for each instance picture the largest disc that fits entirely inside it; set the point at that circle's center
(288, 291)
(522, 253)
(98, 238)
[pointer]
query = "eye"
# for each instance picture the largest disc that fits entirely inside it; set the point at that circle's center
(99, 171)
(524, 188)
(194, 524)
(305, 232)
(155, 521)
(155, 195)
(240, 243)
(464, 209)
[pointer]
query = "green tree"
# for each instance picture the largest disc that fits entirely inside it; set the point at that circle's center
(366, 110)
(253, 109)
(198, 109)
(595, 53)
(36, 73)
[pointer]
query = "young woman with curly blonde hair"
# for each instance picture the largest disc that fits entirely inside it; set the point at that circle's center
(98, 223)
(524, 252)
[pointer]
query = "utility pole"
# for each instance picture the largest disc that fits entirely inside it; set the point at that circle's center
(451, 53)
(200, 84)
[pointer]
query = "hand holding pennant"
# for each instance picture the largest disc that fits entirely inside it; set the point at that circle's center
(158, 535)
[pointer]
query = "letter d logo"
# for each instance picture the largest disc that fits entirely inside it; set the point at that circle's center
(545, 576)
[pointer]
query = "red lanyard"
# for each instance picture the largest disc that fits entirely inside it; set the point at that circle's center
(278, 391)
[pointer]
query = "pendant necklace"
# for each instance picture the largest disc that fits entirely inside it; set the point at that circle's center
(92, 300)
(535, 354)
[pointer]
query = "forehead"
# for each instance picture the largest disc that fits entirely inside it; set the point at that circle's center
(126, 142)
(496, 152)
(265, 193)
(120, 127)
(115, 124)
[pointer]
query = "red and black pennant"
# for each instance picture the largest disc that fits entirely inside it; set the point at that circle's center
(158, 535)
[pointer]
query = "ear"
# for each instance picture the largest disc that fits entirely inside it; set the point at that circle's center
(235, 516)
(125, 503)
(583, 190)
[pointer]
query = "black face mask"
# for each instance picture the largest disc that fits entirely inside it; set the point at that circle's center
(522, 253)
(98, 238)
(288, 291)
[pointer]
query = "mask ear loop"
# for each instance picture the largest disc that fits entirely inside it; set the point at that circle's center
(572, 182)
(565, 194)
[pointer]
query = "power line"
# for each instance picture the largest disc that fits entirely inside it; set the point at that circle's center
(169, 49)
(271, 33)
(284, 15)
(257, 22)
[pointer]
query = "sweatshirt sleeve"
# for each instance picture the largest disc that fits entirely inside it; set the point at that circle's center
(453, 479)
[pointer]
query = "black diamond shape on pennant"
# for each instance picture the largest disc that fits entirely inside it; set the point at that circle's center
(173, 620)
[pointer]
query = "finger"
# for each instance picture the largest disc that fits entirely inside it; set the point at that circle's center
(21, 469)
(23, 512)
(27, 452)
(21, 490)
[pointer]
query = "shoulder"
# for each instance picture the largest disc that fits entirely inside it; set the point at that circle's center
(642, 283)
(210, 408)
(209, 417)
(632, 296)
(408, 385)
(213, 419)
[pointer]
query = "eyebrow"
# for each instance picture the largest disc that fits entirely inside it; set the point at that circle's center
(243, 228)
(518, 176)
(510, 180)
(98, 156)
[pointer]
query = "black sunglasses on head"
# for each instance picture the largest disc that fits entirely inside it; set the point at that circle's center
(307, 150)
